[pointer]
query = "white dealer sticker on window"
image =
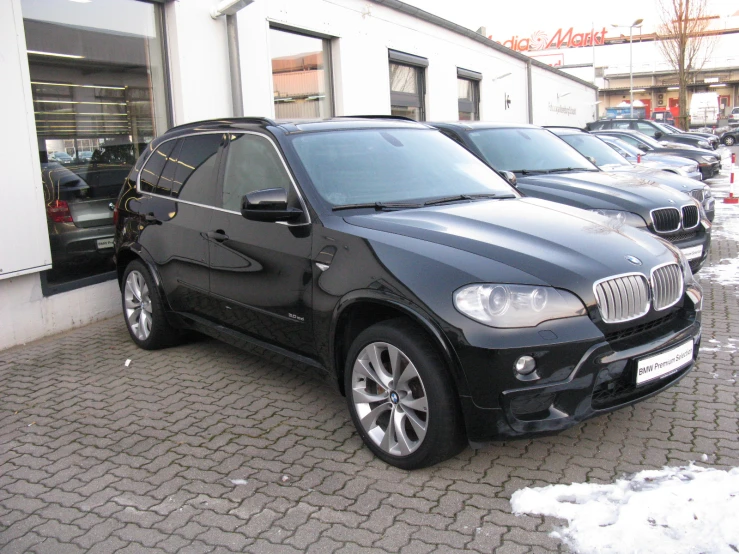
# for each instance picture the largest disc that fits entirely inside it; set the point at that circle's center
(662, 364)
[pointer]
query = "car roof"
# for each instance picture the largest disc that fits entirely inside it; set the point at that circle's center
(565, 130)
(636, 134)
(472, 125)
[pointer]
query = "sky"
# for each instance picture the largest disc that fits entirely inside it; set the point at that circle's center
(503, 19)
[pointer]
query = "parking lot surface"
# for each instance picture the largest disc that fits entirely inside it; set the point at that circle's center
(206, 448)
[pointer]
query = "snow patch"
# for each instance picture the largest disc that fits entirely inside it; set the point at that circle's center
(239, 481)
(726, 222)
(725, 273)
(680, 510)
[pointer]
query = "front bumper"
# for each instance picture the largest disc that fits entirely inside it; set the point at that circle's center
(601, 380)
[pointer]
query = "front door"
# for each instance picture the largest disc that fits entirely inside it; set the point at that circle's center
(260, 272)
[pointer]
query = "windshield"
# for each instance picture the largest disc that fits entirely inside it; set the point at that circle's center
(527, 150)
(623, 145)
(663, 128)
(588, 145)
(393, 165)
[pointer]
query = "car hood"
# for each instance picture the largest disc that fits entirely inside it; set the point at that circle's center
(659, 177)
(554, 244)
(668, 159)
(601, 190)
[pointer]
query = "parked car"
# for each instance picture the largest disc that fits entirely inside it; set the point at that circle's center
(656, 131)
(734, 116)
(393, 261)
(663, 117)
(709, 162)
(548, 168)
(79, 219)
(84, 155)
(708, 136)
(684, 167)
(704, 110)
(609, 161)
(61, 157)
(729, 138)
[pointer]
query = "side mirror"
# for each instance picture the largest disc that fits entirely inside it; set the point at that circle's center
(268, 205)
(658, 135)
(510, 177)
(643, 148)
(591, 159)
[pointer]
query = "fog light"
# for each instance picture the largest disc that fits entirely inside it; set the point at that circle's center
(525, 365)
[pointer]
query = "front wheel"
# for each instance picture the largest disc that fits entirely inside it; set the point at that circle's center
(729, 141)
(401, 397)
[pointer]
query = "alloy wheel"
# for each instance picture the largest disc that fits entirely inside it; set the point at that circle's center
(389, 398)
(729, 141)
(137, 304)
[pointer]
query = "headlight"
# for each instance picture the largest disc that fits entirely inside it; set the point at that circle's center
(685, 264)
(709, 158)
(690, 168)
(704, 144)
(620, 218)
(706, 192)
(510, 306)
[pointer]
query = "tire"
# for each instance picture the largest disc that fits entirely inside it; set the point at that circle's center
(428, 428)
(143, 310)
(729, 141)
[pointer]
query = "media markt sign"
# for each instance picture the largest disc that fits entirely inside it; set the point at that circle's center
(539, 40)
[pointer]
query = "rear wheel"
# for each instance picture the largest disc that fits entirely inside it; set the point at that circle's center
(143, 310)
(729, 140)
(401, 397)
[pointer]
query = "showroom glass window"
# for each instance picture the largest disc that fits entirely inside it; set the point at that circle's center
(98, 87)
(407, 85)
(468, 94)
(301, 75)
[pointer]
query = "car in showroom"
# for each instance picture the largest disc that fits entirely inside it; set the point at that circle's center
(666, 162)
(544, 166)
(607, 159)
(438, 299)
(656, 131)
(60, 157)
(709, 162)
(78, 216)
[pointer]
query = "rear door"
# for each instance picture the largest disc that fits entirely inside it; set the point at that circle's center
(179, 186)
(261, 273)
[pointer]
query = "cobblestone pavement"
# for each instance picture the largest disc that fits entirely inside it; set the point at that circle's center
(206, 448)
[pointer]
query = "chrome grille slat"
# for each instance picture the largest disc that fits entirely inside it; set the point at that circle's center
(622, 298)
(666, 220)
(667, 286)
(691, 217)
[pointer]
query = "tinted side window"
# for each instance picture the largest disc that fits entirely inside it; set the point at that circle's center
(154, 166)
(166, 179)
(195, 177)
(620, 125)
(252, 164)
(630, 140)
(645, 128)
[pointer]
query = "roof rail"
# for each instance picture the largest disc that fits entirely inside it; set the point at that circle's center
(376, 116)
(228, 120)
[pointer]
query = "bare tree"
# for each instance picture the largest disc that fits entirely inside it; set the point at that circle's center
(684, 43)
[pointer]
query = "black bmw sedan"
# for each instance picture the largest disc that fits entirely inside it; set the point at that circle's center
(546, 167)
(443, 304)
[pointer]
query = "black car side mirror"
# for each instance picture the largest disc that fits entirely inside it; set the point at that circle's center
(658, 135)
(268, 205)
(643, 147)
(510, 177)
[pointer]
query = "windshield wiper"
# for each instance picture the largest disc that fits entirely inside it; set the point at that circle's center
(527, 171)
(568, 169)
(378, 206)
(459, 197)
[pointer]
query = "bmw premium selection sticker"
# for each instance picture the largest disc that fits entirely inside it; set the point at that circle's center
(662, 364)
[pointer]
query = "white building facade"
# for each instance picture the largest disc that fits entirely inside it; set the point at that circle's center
(87, 85)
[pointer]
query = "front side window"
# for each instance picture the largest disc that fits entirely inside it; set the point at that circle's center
(301, 75)
(527, 150)
(392, 165)
(252, 164)
(594, 148)
(645, 128)
(99, 97)
(153, 178)
(407, 86)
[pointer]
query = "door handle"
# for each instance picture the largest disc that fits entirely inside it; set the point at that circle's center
(218, 236)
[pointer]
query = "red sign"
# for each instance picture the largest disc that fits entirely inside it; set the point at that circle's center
(560, 39)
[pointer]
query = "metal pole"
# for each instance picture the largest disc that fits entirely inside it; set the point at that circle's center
(631, 71)
(234, 64)
(529, 92)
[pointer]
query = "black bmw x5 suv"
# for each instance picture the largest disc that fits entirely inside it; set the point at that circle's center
(442, 303)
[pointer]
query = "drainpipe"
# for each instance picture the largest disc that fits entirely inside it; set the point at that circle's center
(529, 91)
(234, 64)
(230, 8)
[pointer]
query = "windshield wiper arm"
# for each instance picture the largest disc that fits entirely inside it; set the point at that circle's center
(567, 169)
(527, 171)
(459, 197)
(378, 206)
